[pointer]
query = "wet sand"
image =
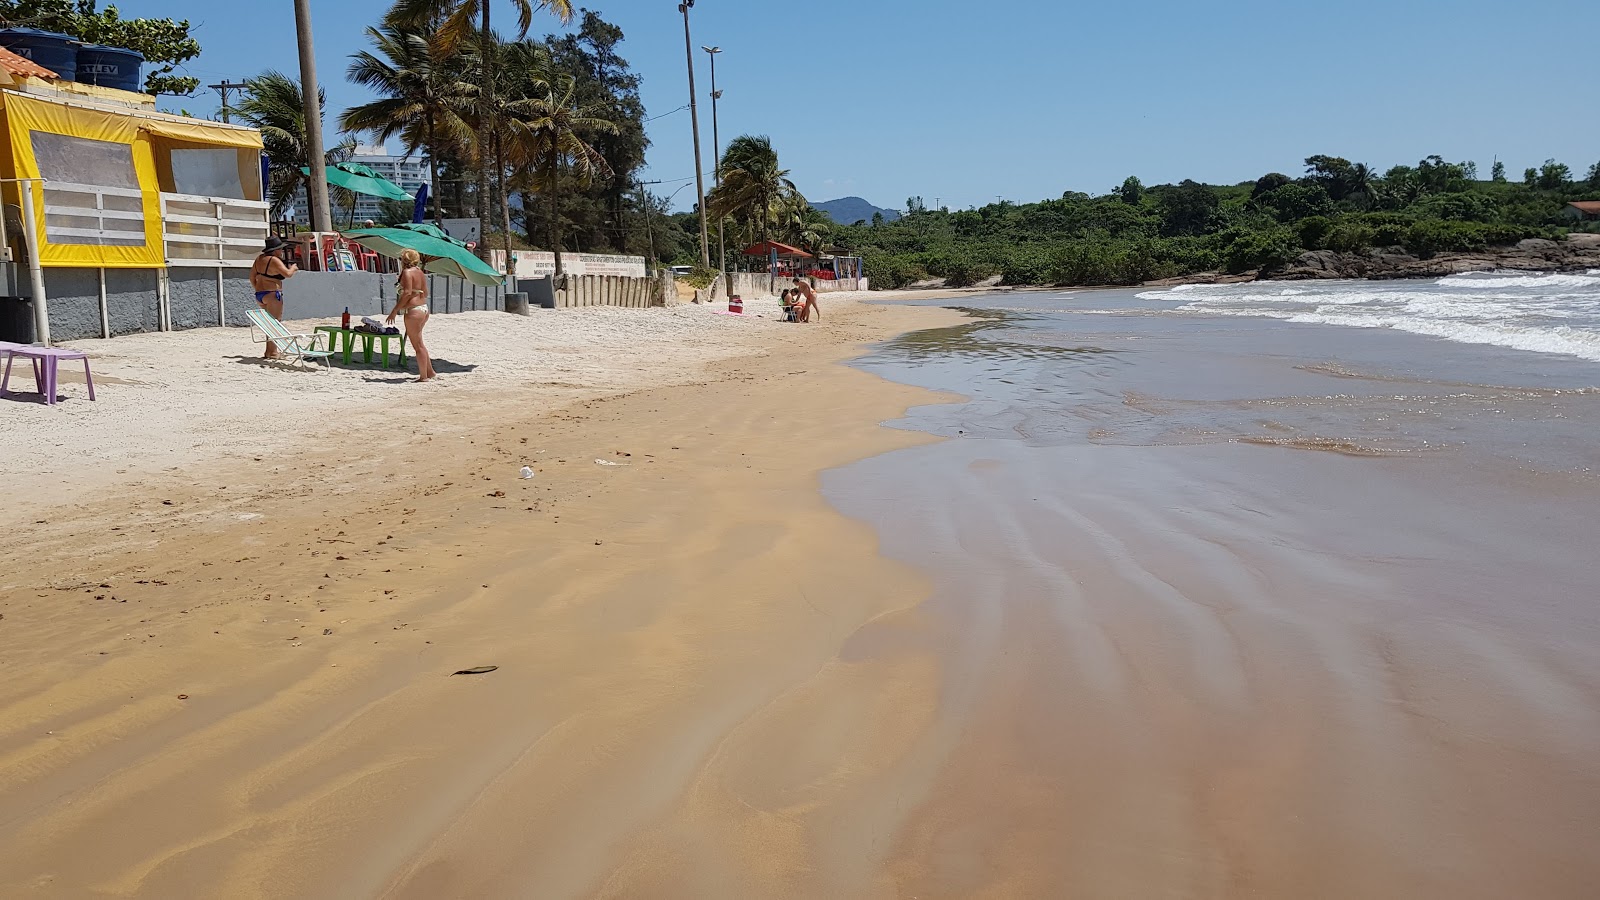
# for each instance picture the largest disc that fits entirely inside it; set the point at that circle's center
(1179, 660)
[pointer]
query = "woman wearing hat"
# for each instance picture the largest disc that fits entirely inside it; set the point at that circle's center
(266, 278)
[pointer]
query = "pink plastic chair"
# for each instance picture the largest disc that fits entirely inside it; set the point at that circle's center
(45, 360)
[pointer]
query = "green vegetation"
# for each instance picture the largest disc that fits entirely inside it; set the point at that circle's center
(1137, 233)
(165, 43)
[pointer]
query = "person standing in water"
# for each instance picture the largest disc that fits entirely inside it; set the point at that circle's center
(266, 279)
(412, 302)
(808, 300)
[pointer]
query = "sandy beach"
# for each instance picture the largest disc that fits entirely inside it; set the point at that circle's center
(1124, 602)
(669, 572)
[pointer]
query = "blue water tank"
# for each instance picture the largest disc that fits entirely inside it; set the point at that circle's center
(56, 52)
(110, 67)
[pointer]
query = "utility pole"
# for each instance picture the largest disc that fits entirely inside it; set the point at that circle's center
(223, 89)
(694, 122)
(716, 150)
(317, 190)
(644, 204)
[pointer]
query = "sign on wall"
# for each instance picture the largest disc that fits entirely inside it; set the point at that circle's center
(539, 263)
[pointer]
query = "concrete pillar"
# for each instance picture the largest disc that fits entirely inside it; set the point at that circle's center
(517, 304)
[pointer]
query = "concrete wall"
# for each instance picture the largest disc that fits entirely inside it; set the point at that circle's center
(757, 285)
(594, 290)
(132, 304)
(192, 297)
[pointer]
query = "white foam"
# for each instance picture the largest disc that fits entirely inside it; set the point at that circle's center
(1538, 313)
(1496, 281)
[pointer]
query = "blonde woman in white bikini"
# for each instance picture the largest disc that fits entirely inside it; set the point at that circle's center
(412, 302)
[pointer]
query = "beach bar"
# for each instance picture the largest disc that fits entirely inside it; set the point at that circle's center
(118, 218)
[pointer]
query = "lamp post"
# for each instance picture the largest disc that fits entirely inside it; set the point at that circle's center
(694, 122)
(317, 190)
(716, 150)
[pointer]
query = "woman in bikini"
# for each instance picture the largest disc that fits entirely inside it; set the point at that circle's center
(266, 279)
(412, 302)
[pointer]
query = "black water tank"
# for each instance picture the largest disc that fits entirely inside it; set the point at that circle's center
(56, 52)
(110, 67)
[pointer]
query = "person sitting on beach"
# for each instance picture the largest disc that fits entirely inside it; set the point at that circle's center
(412, 301)
(807, 295)
(266, 279)
(787, 300)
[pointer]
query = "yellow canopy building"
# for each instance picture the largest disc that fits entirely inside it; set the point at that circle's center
(114, 187)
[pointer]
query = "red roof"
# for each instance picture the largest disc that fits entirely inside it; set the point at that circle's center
(765, 248)
(19, 65)
(1588, 206)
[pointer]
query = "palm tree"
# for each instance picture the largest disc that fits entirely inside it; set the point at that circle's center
(451, 21)
(548, 132)
(1364, 181)
(755, 191)
(272, 104)
(421, 98)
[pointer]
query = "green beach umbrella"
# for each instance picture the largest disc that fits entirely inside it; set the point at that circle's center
(441, 256)
(362, 180)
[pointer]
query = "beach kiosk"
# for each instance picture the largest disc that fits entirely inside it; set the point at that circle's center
(119, 218)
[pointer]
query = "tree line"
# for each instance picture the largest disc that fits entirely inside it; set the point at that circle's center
(1135, 233)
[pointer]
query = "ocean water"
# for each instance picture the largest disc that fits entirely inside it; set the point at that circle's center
(1228, 594)
(1542, 313)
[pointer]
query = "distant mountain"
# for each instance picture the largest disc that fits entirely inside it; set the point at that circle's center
(850, 210)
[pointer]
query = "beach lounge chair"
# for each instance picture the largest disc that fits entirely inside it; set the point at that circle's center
(299, 347)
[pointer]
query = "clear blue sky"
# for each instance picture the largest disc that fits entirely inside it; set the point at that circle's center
(1028, 98)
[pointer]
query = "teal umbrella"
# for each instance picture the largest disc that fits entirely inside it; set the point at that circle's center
(441, 256)
(362, 180)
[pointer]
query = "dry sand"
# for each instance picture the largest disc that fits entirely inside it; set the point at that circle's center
(235, 596)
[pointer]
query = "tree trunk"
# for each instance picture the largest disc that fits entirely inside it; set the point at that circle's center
(486, 49)
(555, 210)
(433, 177)
(505, 194)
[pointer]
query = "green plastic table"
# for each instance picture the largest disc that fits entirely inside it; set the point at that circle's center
(348, 335)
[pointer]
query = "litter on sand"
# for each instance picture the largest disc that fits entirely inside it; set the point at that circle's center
(527, 471)
(607, 462)
(476, 670)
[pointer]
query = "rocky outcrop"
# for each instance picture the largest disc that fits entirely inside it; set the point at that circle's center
(1578, 252)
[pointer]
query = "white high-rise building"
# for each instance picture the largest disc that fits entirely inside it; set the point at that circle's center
(410, 172)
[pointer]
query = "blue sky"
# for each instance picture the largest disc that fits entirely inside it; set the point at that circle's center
(1029, 98)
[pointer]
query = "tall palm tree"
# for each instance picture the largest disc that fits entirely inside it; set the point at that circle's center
(272, 104)
(421, 97)
(549, 133)
(755, 191)
(453, 20)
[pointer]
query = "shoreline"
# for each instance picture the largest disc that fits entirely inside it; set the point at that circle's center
(643, 616)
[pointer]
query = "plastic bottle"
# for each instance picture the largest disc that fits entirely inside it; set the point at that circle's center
(345, 322)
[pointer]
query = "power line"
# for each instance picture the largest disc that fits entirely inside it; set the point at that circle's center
(668, 113)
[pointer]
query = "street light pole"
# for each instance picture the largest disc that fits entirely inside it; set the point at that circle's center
(716, 149)
(317, 190)
(694, 122)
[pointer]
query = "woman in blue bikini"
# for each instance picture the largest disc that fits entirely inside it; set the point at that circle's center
(266, 278)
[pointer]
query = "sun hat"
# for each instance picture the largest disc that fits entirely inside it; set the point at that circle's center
(273, 243)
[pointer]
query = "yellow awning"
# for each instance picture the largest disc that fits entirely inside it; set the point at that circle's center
(198, 133)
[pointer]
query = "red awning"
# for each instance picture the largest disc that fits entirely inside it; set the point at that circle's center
(765, 248)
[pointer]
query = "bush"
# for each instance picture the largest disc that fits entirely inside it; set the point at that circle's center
(1264, 250)
(1314, 232)
(1348, 237)
(699, 278)
(886, 271)
(1026, 264)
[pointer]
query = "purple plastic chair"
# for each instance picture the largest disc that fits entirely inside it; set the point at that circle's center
(45, 364)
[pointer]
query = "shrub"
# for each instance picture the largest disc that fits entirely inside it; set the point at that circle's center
(1265, 250)
(1314, 231)
(1348, 237)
